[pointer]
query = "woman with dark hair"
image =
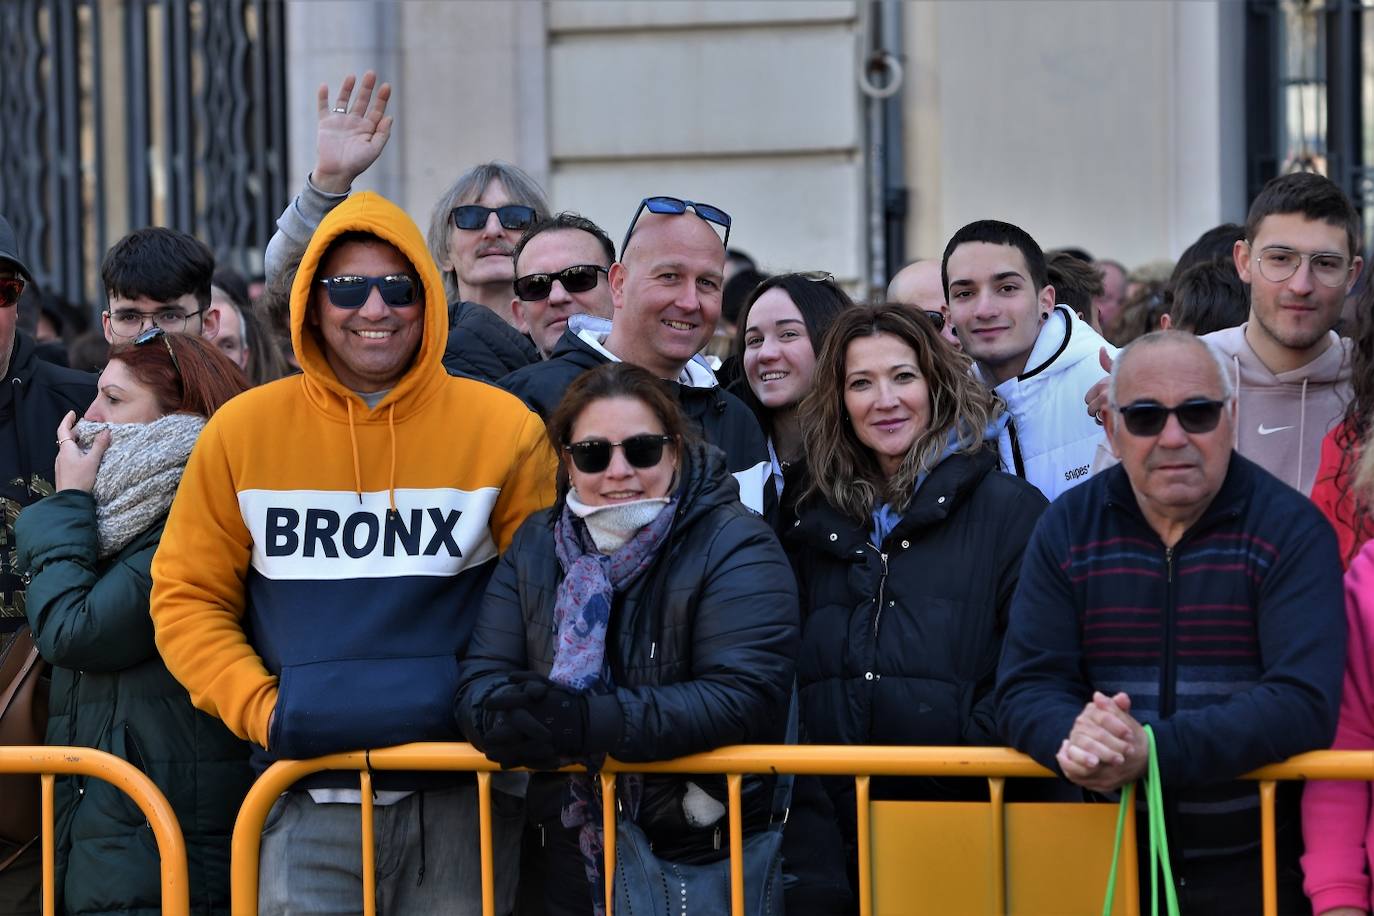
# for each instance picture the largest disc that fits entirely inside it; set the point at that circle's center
(1345, 477)
(88, 549)
(907, 546)
(646, 615)
(780, 329)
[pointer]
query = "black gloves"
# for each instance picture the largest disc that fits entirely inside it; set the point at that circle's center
(531, 721)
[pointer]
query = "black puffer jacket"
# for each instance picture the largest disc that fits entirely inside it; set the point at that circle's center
(720, 417)
(900, 642)
(701, 647)
(482, 345)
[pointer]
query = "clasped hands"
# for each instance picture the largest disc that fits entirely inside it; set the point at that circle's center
(1106, 748)
(529, 721)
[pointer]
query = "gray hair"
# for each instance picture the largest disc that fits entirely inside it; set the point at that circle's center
(1164, 338)
(467, 188)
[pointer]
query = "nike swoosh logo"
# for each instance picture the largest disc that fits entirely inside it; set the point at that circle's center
(1266, 430)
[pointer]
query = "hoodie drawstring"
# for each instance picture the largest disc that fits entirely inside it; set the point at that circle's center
(353, 441)
(1235, 435)
(391, 482)
(1302, 433)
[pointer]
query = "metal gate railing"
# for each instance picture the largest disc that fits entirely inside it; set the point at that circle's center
(120, 114)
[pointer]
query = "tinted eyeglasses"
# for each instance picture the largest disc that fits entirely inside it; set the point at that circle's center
(594, 455)
(154, 333)
(1278, 264)
(1195, 415)
(936, 318)
(474, 216)
(11, 288)
(677, 206)
(576, 279)
(350, 291)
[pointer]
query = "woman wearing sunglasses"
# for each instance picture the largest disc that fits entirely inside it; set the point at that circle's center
(647, 615)
(907, 547)
(781, 326)
(88, 549)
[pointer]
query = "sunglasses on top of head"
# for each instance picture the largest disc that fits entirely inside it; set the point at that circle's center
(474, 216)
(11, 288)
(576, 279)
(1195, 415)
(154, 333)
(594, 455)
(677, 206)
(350, 291)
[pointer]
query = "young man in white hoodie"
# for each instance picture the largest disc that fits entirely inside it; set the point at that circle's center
(1036, 355)
(1290, 370)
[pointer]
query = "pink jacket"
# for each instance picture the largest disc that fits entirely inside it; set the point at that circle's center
(1337, 826)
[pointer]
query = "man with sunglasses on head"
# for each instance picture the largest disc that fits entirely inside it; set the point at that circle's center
(34, 397)
(324, 560)
(1187, 589)
(562, 268)
(666, 292)
(918, 285)
(157, 276)
(1035, 354)
(473, 227)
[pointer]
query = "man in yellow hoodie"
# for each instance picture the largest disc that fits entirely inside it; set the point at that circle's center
(324, 561)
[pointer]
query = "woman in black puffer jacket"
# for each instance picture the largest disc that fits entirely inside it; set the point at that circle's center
(907, 547)
(89, 548)
(646, 616)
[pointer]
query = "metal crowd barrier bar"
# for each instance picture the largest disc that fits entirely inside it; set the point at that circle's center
(994, 764)
(51, 762)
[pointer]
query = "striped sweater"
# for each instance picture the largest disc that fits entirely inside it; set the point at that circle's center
(1230, 643)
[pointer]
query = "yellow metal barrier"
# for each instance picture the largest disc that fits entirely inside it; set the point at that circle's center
(994, 764)
(51, 762)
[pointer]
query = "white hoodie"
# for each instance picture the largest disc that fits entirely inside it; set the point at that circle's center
(1051, 439)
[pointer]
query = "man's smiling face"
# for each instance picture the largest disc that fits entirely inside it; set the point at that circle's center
(369, 348)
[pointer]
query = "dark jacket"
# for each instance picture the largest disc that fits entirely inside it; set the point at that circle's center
(35, 396)
(111, 691)
(483, 346)
(721, 418)
(900, 641)
(701, 647)
(1231, 644)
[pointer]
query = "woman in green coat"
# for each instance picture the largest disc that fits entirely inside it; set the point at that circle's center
(88, 549)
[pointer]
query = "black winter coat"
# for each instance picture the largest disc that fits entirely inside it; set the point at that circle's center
(483, 346)
(900, 641)
(111, 691)
(701, 647)
(720, 417)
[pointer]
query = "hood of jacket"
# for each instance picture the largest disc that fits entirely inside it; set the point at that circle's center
(1065, 340)
(375, 215)
(1331, 368)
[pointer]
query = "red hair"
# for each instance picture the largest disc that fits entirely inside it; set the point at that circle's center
(201, 379)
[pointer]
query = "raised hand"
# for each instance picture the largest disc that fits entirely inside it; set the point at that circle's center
(352, 132)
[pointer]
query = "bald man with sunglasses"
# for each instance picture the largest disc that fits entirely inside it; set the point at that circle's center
(1189, 590)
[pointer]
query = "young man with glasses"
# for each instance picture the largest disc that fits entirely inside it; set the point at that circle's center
(161, 277)
(1189, 590)
(473, 227)
(666, 292)
(1300, 256)
(316, 587)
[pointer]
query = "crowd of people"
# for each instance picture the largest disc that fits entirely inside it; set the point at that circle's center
(510, 484)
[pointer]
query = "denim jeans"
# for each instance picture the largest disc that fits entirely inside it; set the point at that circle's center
(428, 856)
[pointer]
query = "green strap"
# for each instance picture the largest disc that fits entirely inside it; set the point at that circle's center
(1159, 840)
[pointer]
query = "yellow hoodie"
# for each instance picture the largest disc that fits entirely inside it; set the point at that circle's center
(326, 561)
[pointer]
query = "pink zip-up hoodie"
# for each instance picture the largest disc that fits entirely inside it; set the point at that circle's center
(1337, 826)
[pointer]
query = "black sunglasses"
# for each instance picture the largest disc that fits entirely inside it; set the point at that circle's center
(1195, 415)
(576, 279)
(936, 318)
(350, 291)
(154, 333)
(594, 455)
(677, 206)
(474, 216)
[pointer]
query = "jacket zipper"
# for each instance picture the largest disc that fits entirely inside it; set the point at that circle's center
(1018, 464)
(882, 584)
(1166, 687)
